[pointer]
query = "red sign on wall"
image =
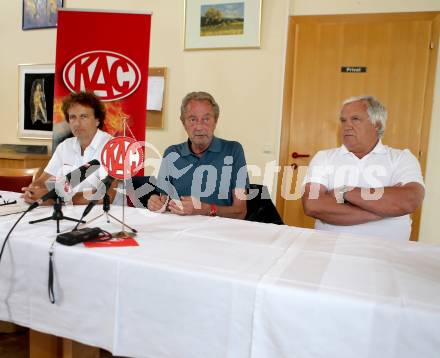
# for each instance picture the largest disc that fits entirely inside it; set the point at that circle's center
(106, 53)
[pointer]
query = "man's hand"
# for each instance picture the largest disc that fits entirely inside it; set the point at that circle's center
(157, 203)
(338, 193)
(36, 189)
(188, 205)
(33, 192)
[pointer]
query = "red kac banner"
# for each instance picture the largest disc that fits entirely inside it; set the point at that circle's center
(106, 53)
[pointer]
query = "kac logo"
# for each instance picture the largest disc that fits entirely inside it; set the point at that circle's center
(109, 75)
(122, 157)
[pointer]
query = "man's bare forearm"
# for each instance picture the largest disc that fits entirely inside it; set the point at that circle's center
(326, 209)
(233, 211)
(388, 201)
(322, 205)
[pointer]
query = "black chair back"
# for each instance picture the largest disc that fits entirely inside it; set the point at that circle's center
(142, 195)
(260, 207)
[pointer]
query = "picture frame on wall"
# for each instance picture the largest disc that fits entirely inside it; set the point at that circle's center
(221, 24)
(40, 14)
(36, 95)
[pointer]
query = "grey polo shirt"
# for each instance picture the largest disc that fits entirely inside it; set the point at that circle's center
(211, 178)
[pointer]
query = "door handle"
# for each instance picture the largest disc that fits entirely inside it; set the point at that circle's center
(297, 155)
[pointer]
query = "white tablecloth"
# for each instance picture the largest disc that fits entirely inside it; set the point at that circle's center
(213, 287)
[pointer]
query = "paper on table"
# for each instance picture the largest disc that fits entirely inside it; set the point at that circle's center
(155, 93)
(12, 209)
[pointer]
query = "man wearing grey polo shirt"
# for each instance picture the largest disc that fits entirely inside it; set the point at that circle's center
(205, 175)
(364, 187)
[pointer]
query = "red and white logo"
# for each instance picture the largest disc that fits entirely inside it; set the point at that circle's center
(122, 157)
(109, 75)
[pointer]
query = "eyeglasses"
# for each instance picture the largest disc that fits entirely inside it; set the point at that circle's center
(6, 202)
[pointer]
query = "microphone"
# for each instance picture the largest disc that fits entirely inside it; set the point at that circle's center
(107, 181)
(78, 175)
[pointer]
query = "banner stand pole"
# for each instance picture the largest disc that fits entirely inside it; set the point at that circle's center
(124, 233)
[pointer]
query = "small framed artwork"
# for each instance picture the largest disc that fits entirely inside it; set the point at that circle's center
(36, 89)
(40, 14)
(211, 24)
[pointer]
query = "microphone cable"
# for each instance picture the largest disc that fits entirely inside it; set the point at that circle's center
(107, 182)
(85, 212)
(51, 271)
(10, 231)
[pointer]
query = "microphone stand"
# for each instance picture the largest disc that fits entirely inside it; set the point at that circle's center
(106, 209)
(106, 201)
(57, 214)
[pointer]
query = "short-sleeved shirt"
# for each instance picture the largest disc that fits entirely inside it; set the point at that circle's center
(211, 177)
(67, 157)
(382, 167)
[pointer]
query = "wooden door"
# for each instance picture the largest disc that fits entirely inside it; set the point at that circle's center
(398, 52)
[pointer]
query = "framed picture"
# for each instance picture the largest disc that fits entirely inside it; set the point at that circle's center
(211, 24)
(40, 14)
(36, 88)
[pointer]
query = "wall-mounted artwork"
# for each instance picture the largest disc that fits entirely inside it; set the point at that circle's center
(222, 24)
(36, 88)
(40, 14)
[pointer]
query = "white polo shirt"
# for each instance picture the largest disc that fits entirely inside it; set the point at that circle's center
(382, 167)
(67, 157)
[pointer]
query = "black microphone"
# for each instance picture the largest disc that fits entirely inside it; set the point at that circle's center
(107, 181)
(72, 179)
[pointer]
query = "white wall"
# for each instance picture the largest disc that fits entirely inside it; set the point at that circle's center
(18, 47)
(429, 229)
(431, 205)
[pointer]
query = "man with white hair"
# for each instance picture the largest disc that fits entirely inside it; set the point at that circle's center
(364, 187)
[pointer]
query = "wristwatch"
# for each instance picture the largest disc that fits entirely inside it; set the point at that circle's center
(213, 211)
(339, 193)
